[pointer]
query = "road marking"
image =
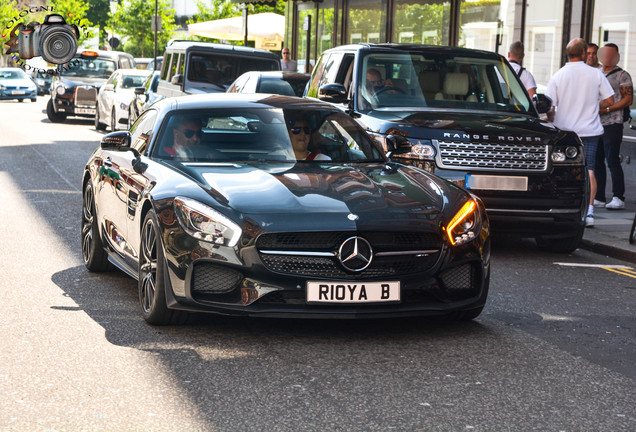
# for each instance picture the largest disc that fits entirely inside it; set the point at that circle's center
(603, 266)
(627, 273)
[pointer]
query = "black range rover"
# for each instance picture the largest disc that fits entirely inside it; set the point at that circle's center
(464, 115)
(74, 91)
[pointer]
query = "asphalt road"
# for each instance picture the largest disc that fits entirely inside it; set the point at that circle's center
(554, 350)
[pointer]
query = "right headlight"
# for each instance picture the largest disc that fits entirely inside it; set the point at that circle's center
(60, 90)
(464, 226)
(205, 223)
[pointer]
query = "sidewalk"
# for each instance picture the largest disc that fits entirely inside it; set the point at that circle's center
(610, 233)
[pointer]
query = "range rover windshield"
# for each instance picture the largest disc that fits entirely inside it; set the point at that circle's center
(264, 135)
(438, 80)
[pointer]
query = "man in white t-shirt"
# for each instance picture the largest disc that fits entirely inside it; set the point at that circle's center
(578, 92)
(515, 57)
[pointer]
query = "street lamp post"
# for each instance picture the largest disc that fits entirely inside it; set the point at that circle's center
(154, 68)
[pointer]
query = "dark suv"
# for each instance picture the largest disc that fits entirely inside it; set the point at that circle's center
(74, 91)
(203, 67)
(464, 115)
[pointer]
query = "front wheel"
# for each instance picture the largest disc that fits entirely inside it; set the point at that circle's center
(113, 120)
(561, 245)
(632, 234)
(98, 123)
(52, 115)
(151, 283)
(95, 257)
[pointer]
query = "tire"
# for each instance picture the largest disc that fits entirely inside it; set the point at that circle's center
(113, 120)
(151, 283)
(93, 253)
(632, 234)
(98, 124)
(130, 118)
(34, 99)
(20, 100)
(561, 245)
(52, 115)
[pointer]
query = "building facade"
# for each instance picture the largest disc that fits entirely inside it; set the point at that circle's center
(544, 26)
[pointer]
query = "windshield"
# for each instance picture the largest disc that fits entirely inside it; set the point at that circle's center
(221, 70)
(132, 81)
(13, 74)
(90, 68)
(264, 134)
(439, 80)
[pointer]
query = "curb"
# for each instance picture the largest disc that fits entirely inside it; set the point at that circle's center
(611, 251)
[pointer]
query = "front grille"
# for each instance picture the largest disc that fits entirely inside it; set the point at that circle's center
(459, 278)
(329, 267)
(493, 156)
(213, 279)
(86, 96)
(331, 241)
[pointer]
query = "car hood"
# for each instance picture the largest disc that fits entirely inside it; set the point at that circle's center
(22, 82)
(462, 126)
(309, 196)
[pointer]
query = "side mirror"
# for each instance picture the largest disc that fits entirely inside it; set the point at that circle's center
(140, 90)
(542, 103)
(397, 144)
(334, 93)
(177, 79)
(118, 141)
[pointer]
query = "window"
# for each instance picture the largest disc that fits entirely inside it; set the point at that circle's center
(542, 40)
(166, 67)
(425, 22)
(367, 21)
(481, 22)
(141, 132)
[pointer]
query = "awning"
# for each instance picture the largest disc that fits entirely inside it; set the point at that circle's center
(265, 26)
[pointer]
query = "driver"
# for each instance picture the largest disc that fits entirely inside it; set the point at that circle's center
(375, 83)
(300, 134)
(186, 135)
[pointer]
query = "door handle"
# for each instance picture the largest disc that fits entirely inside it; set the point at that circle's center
(108, 162)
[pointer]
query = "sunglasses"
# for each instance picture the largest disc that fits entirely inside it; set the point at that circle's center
(285, 52)
(297, 130)
(189, 133)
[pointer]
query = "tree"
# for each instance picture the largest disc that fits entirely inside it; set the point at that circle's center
(98, 14)
(133, 21)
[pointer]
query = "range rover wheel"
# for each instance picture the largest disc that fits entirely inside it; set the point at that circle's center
(561, 245)
(151, 283)
(52, 115)
(95, 257)
(98, 123)
(113, 120)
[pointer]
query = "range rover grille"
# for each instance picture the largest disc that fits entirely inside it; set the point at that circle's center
(493, 156)
(85, 96)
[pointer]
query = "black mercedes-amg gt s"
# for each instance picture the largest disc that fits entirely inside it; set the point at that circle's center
(276, 206)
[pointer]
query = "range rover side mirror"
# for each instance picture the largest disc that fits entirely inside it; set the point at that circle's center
(334, 93)
(118, 141)
(542, 103)
(397, 144)
(177, 79)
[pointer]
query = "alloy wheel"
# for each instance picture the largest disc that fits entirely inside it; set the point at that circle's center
(148, 266)
(87, 224)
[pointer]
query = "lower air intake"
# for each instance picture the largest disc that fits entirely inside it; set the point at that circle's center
(213, 279)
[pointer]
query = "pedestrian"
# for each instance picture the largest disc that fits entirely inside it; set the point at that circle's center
(592, 56)
(515, 57)
(286, 63)
(575, 91)
(612, 121)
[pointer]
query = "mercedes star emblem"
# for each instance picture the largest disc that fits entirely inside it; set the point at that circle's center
(355, 254)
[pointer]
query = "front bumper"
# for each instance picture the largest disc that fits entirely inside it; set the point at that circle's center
(80, 101)
(10, 94)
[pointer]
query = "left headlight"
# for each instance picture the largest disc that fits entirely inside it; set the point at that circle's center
(205, 223)
(464, 226)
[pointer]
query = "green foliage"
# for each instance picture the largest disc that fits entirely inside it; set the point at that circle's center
(133, 19)
(98, 14)
(217, 9)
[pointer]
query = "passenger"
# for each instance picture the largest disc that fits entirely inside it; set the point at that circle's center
(578, 111)
(515, 57)
(187, 134)
(300, 135)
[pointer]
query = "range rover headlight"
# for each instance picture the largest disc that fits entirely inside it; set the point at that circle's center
(571, 152)
(204, 223)
(570, 155)
(557, 156)
(464, 226)
(60, 90)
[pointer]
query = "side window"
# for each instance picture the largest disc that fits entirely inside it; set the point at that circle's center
(314, 82)
(181, 64)
(166, 66)
(330, 74)
(238, 85)
(141, 132)
(115, 80)
(125, 63)
(111, 79)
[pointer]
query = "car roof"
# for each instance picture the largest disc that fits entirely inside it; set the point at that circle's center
(184, 45)
(240, 100)
(416, 47)
(129, 71)
(280, 74)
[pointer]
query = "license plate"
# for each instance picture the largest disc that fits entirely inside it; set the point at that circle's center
(85, 111)
(502, 183)
(353, 292)
(18, 92)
